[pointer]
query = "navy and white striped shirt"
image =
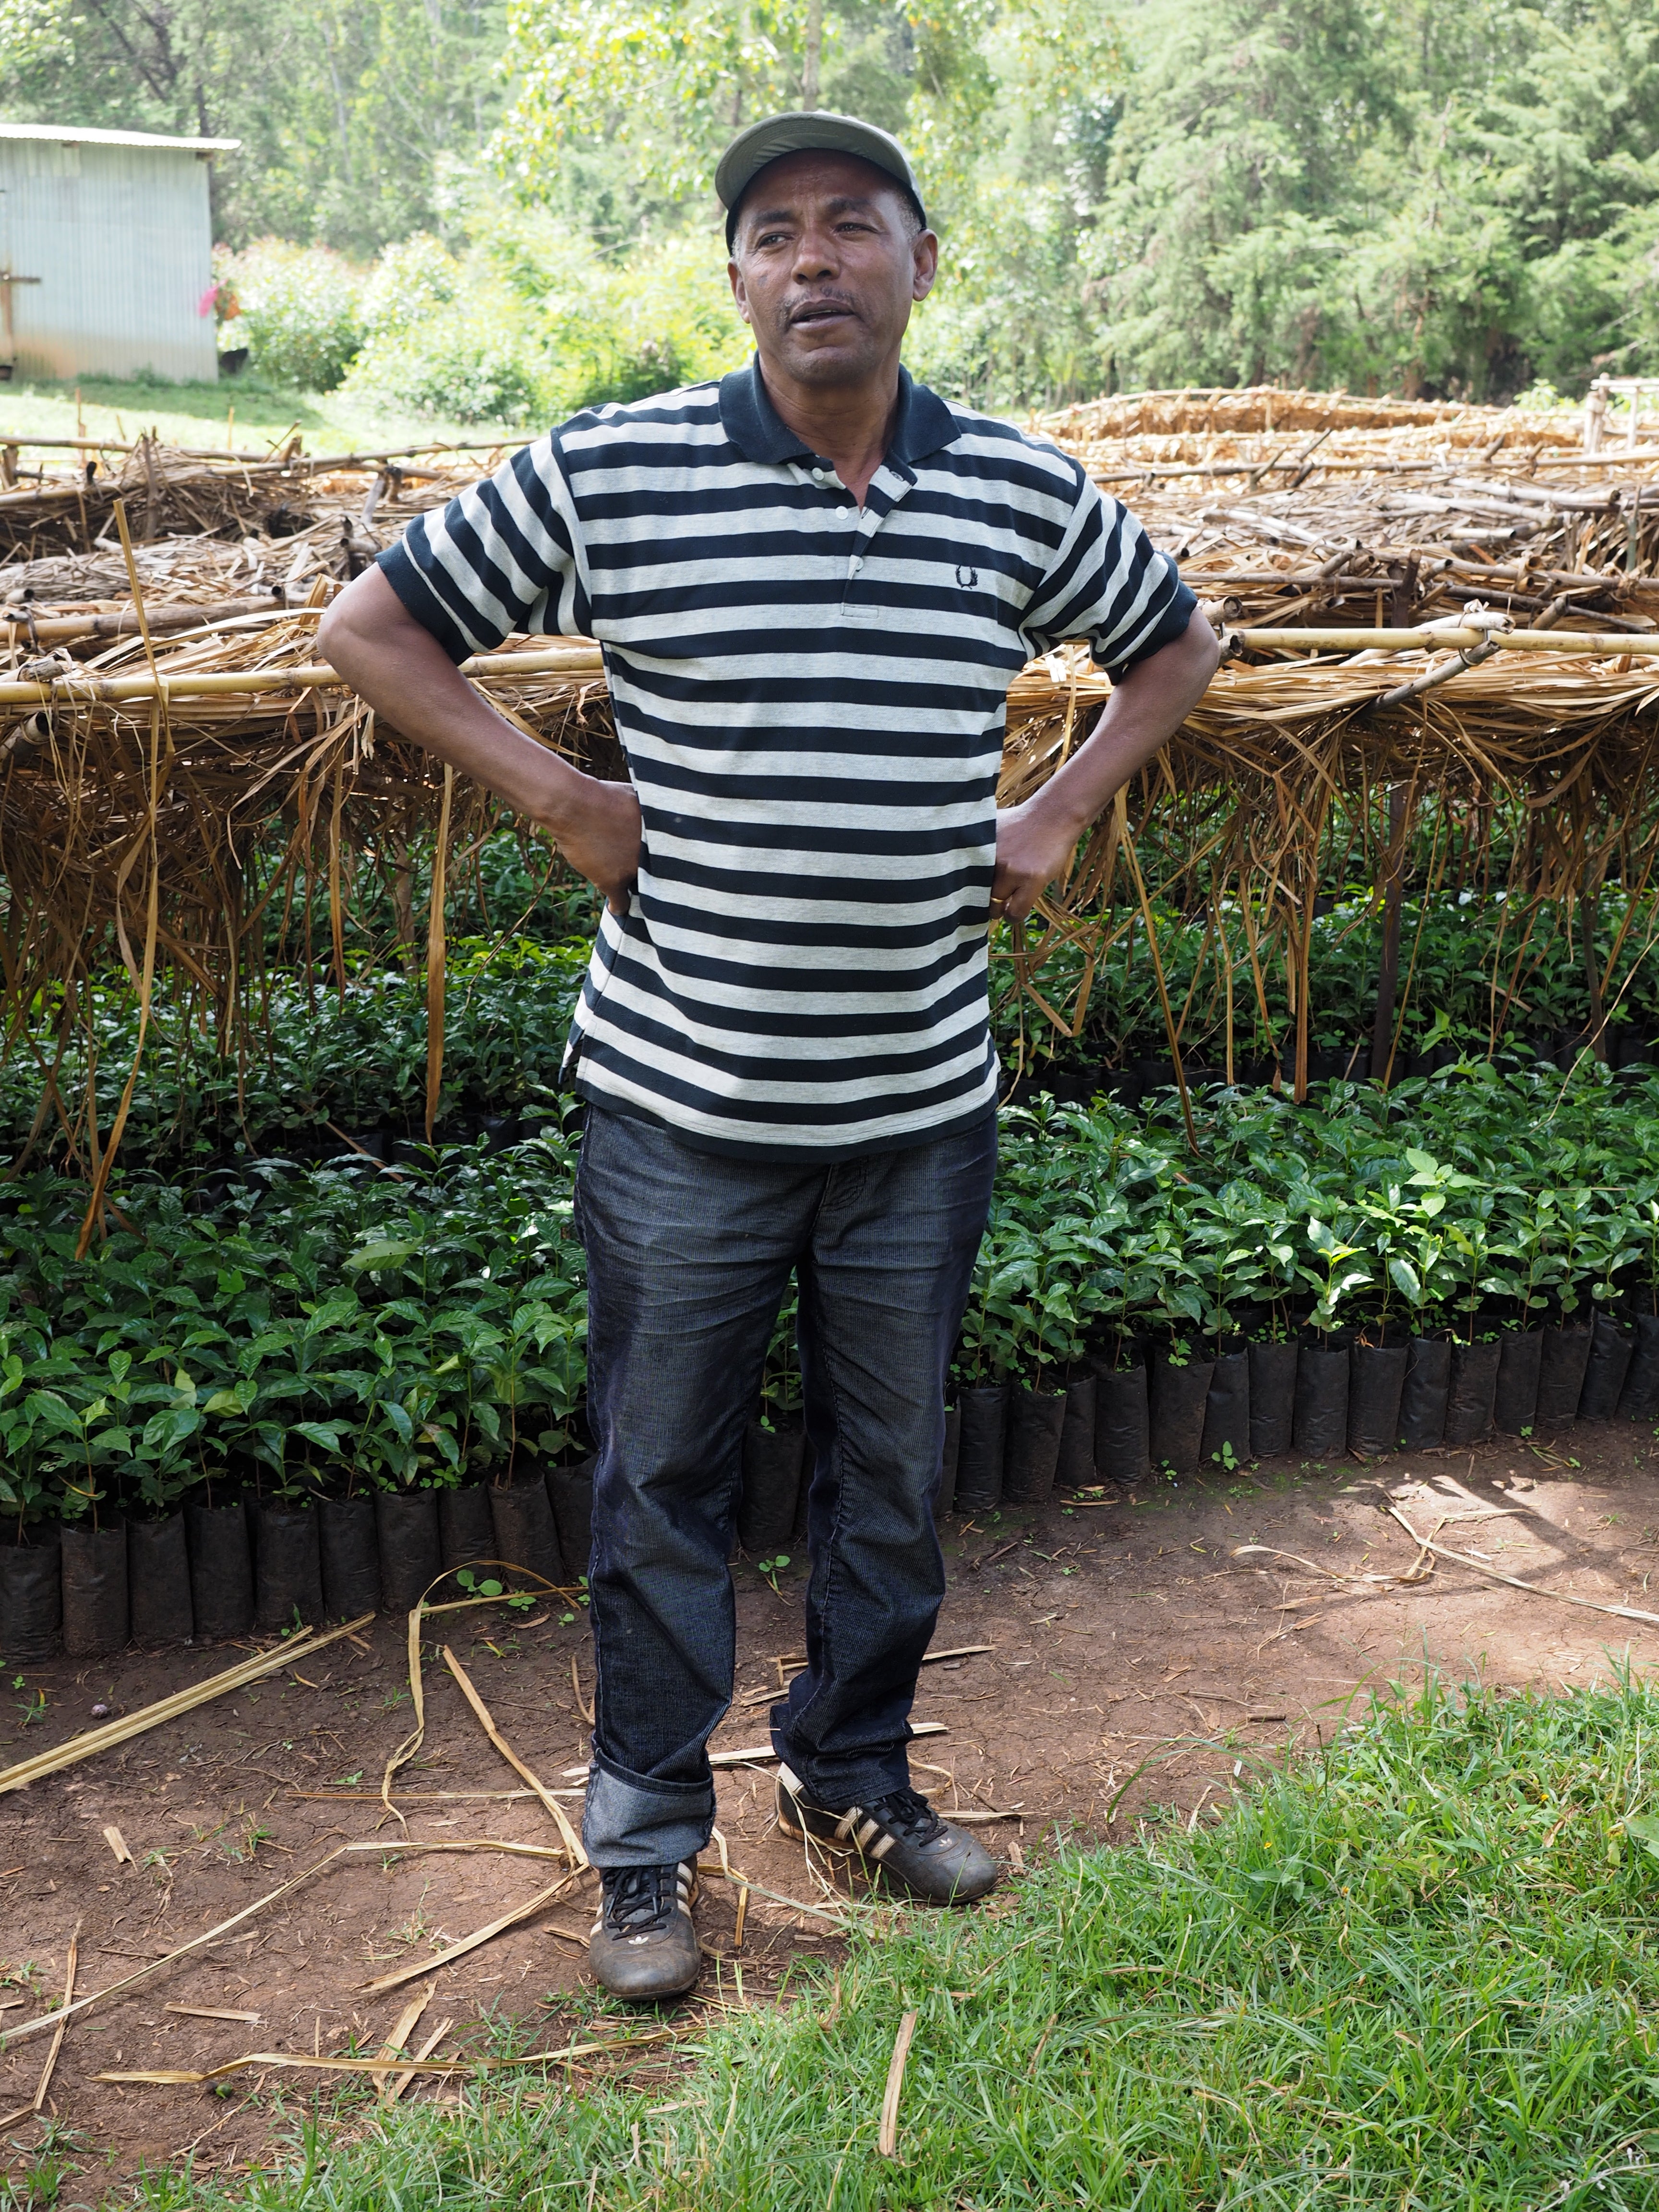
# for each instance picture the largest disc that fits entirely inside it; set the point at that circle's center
(810, 699)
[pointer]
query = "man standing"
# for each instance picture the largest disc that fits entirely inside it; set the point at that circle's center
(813, 580)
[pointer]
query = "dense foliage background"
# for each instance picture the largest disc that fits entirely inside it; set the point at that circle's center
(1457, 198)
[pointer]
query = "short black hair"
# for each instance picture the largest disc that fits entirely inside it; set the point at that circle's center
(916, 222)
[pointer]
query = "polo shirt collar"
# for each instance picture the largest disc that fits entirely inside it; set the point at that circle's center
(924, 422)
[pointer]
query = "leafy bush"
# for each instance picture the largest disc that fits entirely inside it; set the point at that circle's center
(453, 366)
(355, 1059)
(622, 330)
(409, 284)
(301, 311)
(323, 1329)
(440, 342)
(1457, 941)
(533, 322)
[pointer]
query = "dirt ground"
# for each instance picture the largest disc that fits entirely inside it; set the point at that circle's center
(1122, 1634)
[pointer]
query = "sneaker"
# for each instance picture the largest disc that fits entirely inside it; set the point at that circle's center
(644, 1943)
(899, 1836)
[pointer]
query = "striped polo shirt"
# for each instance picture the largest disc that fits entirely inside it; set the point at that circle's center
(809, 697)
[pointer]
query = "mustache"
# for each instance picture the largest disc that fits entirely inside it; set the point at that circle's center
(789, 314)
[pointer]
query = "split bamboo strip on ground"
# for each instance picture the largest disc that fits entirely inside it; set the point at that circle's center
(44, 2020)
(395, 2045)
(165, 1709)
(887, 2140)
(1532, 1590)
(56, 2045)
(468, 1943)
(424, 1611)
(168, 2077)
(400, 2081)
(845, 1918)
(572, 1842)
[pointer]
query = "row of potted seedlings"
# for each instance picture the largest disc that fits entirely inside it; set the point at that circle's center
(229, 1561)
(354, 1345)
(1117, 1421)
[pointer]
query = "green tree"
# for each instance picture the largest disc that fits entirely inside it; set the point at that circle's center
(1006, 107)
(345, 108)
(1444, 199)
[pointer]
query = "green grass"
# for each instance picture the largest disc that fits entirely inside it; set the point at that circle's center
(197, 414)
(1418, 1972)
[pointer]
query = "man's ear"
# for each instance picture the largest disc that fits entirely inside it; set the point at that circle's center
(740, 292)
(924, 251)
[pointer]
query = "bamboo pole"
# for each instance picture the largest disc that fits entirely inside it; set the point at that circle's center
(83, 689)
(1453, 637)
(218, 614)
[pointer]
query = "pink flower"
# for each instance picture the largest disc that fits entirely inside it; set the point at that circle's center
(208, 300)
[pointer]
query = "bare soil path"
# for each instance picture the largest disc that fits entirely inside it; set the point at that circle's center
(1125, 1635)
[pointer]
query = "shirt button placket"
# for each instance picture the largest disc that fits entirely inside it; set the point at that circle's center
(868, 523)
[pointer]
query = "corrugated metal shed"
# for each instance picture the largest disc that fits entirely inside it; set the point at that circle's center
(105, 253)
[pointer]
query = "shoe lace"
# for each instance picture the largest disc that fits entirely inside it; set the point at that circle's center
(638, 1899)
(908, 1812)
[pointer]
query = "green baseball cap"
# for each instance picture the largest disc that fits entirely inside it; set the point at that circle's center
(818, 131)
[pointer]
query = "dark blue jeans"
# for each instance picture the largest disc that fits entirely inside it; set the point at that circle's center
(688, 1256)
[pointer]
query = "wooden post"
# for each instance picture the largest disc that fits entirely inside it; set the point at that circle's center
(1595, 415)
(152, 485)
(1299, 1090)
(1590, 906)
(1309, 904)
(1403, 600)
(1387, 974)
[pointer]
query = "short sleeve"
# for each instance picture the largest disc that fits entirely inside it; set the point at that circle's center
(504, 556)
(1108, 583)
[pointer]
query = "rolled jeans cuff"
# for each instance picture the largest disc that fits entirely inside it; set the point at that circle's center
(847, 1779)
(629, 1821)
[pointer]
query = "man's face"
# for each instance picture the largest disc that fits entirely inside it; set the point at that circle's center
(825, 266)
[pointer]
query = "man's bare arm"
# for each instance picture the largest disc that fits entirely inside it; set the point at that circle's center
(1036, 841)
(370, 637)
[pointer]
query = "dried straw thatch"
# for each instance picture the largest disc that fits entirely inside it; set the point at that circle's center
(1290, 776)
(173, 825)
(1219, 412)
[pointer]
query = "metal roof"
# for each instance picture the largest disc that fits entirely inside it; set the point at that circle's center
(69, 134)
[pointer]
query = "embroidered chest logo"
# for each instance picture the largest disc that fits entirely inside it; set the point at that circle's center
(967, 577)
